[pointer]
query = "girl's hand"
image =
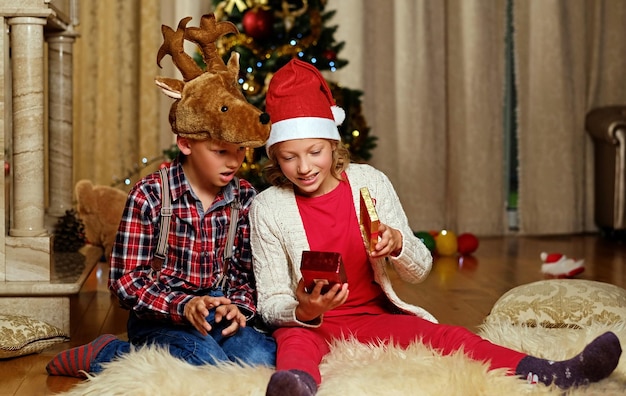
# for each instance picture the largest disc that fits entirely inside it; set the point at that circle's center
(313, 305)
(389, 242)
(197, 309)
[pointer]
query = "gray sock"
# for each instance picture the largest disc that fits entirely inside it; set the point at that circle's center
(291, 383)
(596, 362)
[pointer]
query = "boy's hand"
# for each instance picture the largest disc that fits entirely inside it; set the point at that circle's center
(312, 305)
(231, 313)
(197, 310)
(389, 242)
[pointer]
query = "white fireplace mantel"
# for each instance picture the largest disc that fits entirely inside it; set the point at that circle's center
(36, 131)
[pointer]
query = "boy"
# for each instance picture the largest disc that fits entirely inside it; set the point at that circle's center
(182, 261)
(199, 304)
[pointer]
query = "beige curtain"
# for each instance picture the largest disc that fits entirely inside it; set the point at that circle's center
(116, 114)
(475, 100)
(570, 59)
(433, 78)
(434, 74)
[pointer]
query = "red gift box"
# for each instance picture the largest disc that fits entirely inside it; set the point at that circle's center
(322, 266)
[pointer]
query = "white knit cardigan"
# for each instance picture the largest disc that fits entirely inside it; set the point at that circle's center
(278, 239)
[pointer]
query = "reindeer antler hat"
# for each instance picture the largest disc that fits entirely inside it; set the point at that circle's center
(209, 104)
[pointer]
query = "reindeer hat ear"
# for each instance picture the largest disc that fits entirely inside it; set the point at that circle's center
(301, 105)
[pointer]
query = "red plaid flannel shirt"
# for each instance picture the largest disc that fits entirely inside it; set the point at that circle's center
(195, 255)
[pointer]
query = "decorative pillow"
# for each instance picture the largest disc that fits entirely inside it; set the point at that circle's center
(21, 335)
(572, 303)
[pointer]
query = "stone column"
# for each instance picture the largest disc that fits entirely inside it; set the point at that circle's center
(28, 126)
(60, 126)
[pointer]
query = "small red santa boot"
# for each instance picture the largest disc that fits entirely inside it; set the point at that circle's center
(557, 265)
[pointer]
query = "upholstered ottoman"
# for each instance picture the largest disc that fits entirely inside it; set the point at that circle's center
(558, 303)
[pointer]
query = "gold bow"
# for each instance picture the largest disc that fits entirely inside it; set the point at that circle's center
(241, 5)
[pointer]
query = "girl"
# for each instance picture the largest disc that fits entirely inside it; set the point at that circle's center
(314, 205)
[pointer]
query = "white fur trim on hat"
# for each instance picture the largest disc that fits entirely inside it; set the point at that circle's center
(303, 128)
(339, 114)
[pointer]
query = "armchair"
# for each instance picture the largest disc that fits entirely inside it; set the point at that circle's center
(607, 127)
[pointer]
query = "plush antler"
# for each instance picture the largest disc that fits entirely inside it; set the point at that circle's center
(206, 36)
(173, 45)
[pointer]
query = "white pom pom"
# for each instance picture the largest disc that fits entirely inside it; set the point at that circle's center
(338, 114)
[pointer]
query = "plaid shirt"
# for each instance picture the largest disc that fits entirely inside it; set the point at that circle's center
(195, 261)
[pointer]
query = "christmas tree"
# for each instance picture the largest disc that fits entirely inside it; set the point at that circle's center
(271, 33)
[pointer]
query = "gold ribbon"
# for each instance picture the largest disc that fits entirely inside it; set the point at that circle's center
(241, 5)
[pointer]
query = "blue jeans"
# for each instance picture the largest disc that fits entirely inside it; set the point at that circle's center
(248, 345)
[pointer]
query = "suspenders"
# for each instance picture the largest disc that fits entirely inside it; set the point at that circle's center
(166, 215)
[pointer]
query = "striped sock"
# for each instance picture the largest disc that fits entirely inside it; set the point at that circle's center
(596, 362)
(74, 362)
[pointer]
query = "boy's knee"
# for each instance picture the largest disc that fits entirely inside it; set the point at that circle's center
(262, 356)
(256, 348)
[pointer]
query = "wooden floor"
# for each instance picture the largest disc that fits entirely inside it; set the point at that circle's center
(457, 291)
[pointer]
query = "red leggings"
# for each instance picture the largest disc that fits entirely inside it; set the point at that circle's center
(303, 348)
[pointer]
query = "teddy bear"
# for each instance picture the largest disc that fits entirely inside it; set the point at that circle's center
(100, 209)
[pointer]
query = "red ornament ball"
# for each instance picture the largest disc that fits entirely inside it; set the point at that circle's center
(467, 243)
(258, 23)
(330, 55)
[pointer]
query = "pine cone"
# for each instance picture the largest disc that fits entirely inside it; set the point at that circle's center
(69, 233)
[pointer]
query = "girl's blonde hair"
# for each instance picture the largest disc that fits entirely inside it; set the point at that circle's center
(275, 176)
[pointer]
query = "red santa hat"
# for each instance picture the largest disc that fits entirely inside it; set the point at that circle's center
(301, 105)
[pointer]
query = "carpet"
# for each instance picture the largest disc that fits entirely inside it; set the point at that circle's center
(356, 369)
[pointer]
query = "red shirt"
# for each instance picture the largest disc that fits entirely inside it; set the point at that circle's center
(331, 224)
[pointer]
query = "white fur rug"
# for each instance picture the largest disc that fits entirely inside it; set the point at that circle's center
(355, 369)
